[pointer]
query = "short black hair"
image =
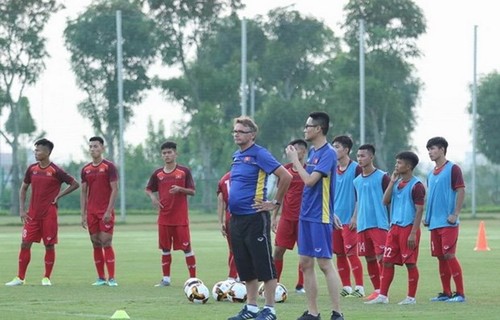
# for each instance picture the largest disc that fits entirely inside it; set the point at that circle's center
(321, 119)
(46, 143)
(96, 138)
(344, 140)
(169, 145)
(301, 142)
(369, 147)
(439, 142)
(409, 157)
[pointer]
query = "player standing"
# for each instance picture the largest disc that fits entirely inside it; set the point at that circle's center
(288, 226)
(446, 192)
(224, 221)
(345, 240)
(97, 201)
(406, 195)
(372, 215)
(40, 221)
(168, 188)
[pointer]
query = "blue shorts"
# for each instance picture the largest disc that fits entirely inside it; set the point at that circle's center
(315, 239)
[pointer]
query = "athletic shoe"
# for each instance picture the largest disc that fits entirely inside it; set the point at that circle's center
(456, 298)
(346, 291)
(441, 297)
(372, 296)
(100, 282)
(112, 282)
(266, 314)
(358, 293)
(245, 314)
(380, 299)
(46, 282)
(163, 283)
(15, 282)
(408, 300)
(307, 316)
(337, 316)
(300, 290)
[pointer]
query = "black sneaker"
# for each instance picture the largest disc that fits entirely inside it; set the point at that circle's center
(244, 314)
(307, 316)
(337, 316)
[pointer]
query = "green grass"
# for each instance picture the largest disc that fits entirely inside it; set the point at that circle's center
(138, 269)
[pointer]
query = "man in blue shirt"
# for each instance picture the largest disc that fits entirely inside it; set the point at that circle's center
(250, 217)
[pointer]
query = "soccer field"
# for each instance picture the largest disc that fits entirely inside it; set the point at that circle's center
(138, 269)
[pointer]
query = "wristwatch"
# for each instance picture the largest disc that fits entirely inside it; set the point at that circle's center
(276, 203)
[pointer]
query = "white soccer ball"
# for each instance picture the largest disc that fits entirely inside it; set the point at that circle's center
(280, 295)
(237, 292)
(191, 281)
(197, 293)
(220, 290)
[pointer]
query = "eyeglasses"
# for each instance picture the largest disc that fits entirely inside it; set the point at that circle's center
(240, 132)
(311, 126)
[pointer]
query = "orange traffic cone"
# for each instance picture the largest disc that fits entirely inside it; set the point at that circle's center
(481, 243)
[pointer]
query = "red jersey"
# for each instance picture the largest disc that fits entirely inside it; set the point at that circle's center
(293, 197)
(223, 187)
(45, 186)
(175, 205)
(98, 179)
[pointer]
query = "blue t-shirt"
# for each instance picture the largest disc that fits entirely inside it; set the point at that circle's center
(403, 208)
(318, 200)
(345, 194)
(249, 173)
(371, 210)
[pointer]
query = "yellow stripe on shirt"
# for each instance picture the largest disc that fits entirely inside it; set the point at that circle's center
(325, 215)
(259, 190)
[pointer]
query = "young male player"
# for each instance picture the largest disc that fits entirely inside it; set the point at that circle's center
(224, 218)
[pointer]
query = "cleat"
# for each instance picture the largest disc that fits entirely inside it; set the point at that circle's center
(408, 300)
(358, 293)
(246, 314)
(380, 299)
(112, 282)
(307, 316)
(300, 290)
(46, 282)
(337, 316)
(346, 291)
(163, 283)
(15, 282)
(100, 282)
(372, 296)
(266, 314)
(456, 298)
(441, 297)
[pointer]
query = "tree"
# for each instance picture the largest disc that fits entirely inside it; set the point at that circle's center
(392, 28)
(488, 116)
(91, 39)
(22, 52)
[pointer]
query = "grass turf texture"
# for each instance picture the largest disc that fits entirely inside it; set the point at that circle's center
(138, 269)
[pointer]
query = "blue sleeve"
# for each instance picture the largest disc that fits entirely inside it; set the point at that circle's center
(325, 164)
(266, 161)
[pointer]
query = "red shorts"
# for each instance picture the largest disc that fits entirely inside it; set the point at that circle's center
(371, 242)
(95, 224)
(345, 241)
(443, 241)
(35, 230)
(287, 233)
(396, 247)
(176, 236)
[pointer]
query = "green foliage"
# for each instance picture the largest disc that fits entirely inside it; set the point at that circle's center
(488, 116)
(26, 124)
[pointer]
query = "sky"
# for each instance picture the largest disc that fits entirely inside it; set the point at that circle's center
(446, 70)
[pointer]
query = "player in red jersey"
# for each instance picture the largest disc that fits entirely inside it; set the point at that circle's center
(97, 201)
(172, 183)
(40, 221)
(224, 217)
(286, 225)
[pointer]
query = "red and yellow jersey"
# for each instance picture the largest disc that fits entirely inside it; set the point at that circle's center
(98, 179)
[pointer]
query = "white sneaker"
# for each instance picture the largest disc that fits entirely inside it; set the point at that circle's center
(408, 300)
(46, 282)
(346, 291)
(380, 299)
(15, 282)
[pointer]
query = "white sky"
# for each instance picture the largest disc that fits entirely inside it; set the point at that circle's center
(446, 69)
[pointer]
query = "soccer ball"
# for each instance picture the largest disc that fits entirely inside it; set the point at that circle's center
(280, 295)
(197, 293)
(237, 292)
(220, 290)
(191, 281)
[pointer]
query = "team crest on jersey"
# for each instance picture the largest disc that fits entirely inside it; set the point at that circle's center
(315, 161)
(49, 174)
(101, 170)
(178, 176)
(247, 159)
(87, 171)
